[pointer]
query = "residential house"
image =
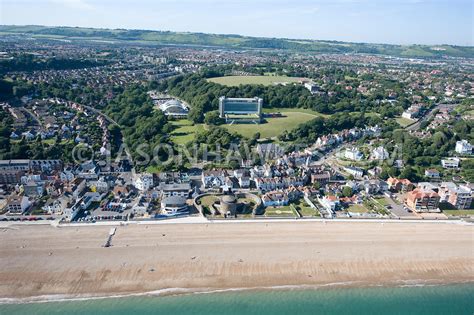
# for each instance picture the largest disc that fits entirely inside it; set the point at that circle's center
(432, 173)
(56, 206)
(144, 182)
(330, 203)
(354, 171)
(174, 205)
(275, 198)
(353, 154)
(181, 190)
(380, 154)
(463, 147)
(17, 204)
(321, 177)
(215, 178)
(89, 198)
(450, 163)
(403, 184)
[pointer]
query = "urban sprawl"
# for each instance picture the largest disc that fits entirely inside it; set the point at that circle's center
(96, 131)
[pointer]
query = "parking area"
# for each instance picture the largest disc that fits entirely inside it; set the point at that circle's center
(397, 208)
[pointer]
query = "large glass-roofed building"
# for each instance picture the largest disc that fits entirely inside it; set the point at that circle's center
(240, 109)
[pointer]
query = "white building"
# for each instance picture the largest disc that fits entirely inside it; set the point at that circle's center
(458, 196)
(354, 171)
(17, 204)
(214, 179)
(56, 206)
(450, 163)
(275, 198)
(380, 153)
(89, 198)
(353, 154)
(144, 182)
(463, 147)
(174, 205)
(412, 112)
(330, 203)
(174, 108)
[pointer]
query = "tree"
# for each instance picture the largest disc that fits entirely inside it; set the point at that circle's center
(347, 191)
(213, 118)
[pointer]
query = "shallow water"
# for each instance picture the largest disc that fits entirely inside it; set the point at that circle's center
(452, 299)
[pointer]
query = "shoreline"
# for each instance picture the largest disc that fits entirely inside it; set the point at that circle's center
(176, 292)
(44, 263)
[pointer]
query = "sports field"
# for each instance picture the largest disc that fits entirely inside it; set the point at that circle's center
(273, 126)
(236, 80)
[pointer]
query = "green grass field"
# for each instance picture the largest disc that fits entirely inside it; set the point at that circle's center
(304, 209)
(283, 211)
(285, 110)
(357, 209)
(273, 126)
(184, 131)
(468, 212)
(402, 121)
(236, 80)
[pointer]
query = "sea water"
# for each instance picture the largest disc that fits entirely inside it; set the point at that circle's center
(448, 299)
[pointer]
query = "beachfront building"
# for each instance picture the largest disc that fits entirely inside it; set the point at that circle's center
(330, 203)
(423, 200)
(463, 147)
(17, 204)
(275, 198)
(459, 197)
(174, 205)
(181, 190)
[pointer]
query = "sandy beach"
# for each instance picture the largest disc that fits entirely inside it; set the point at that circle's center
(70, 261)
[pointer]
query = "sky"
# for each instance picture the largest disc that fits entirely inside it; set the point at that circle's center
(372, 21)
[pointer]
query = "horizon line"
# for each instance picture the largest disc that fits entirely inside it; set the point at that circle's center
(230, 34)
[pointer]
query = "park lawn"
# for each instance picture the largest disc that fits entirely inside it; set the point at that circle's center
(402, 121)
(283, 211)
(208, 200)
(467, 212)
(273, 127)
(236, 80)
(184, 131)
(285, 110)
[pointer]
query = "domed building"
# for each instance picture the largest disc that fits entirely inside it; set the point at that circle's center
(174, 108)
